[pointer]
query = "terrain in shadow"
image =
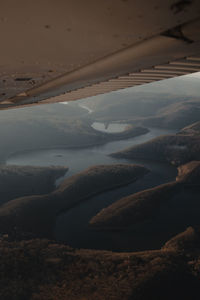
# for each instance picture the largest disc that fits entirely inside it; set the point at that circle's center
(154, 215)
(162, 222)
(18, 181)
(175, 149)
(60, 272)
(35, 215)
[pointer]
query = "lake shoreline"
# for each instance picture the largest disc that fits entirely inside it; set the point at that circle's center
(28, 213)
(117, 137)
(78, 160)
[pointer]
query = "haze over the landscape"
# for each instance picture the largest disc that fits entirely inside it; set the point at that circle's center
(100, 197)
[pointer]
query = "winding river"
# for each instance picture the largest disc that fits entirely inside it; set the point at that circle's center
(72, 226)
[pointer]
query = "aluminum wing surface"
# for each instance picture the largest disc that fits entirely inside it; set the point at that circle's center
(53, 51)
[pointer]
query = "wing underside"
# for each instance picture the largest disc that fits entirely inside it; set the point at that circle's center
(67, 51)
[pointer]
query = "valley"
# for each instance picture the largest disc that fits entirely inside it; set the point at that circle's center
(104, 201)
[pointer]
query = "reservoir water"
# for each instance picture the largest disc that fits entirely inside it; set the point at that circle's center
(78, 159)
(110, 127)
(72, 226)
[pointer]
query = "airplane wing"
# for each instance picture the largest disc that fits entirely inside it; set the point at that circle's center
(54, 51)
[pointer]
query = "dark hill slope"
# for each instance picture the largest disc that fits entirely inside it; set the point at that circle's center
(193, 129)
(36, 214)
(44, 270)
(18, 181)
(189, 239)
(156, 214)
(175, 149)
(189, 173)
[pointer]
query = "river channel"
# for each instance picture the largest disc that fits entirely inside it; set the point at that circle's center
(72, 226)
